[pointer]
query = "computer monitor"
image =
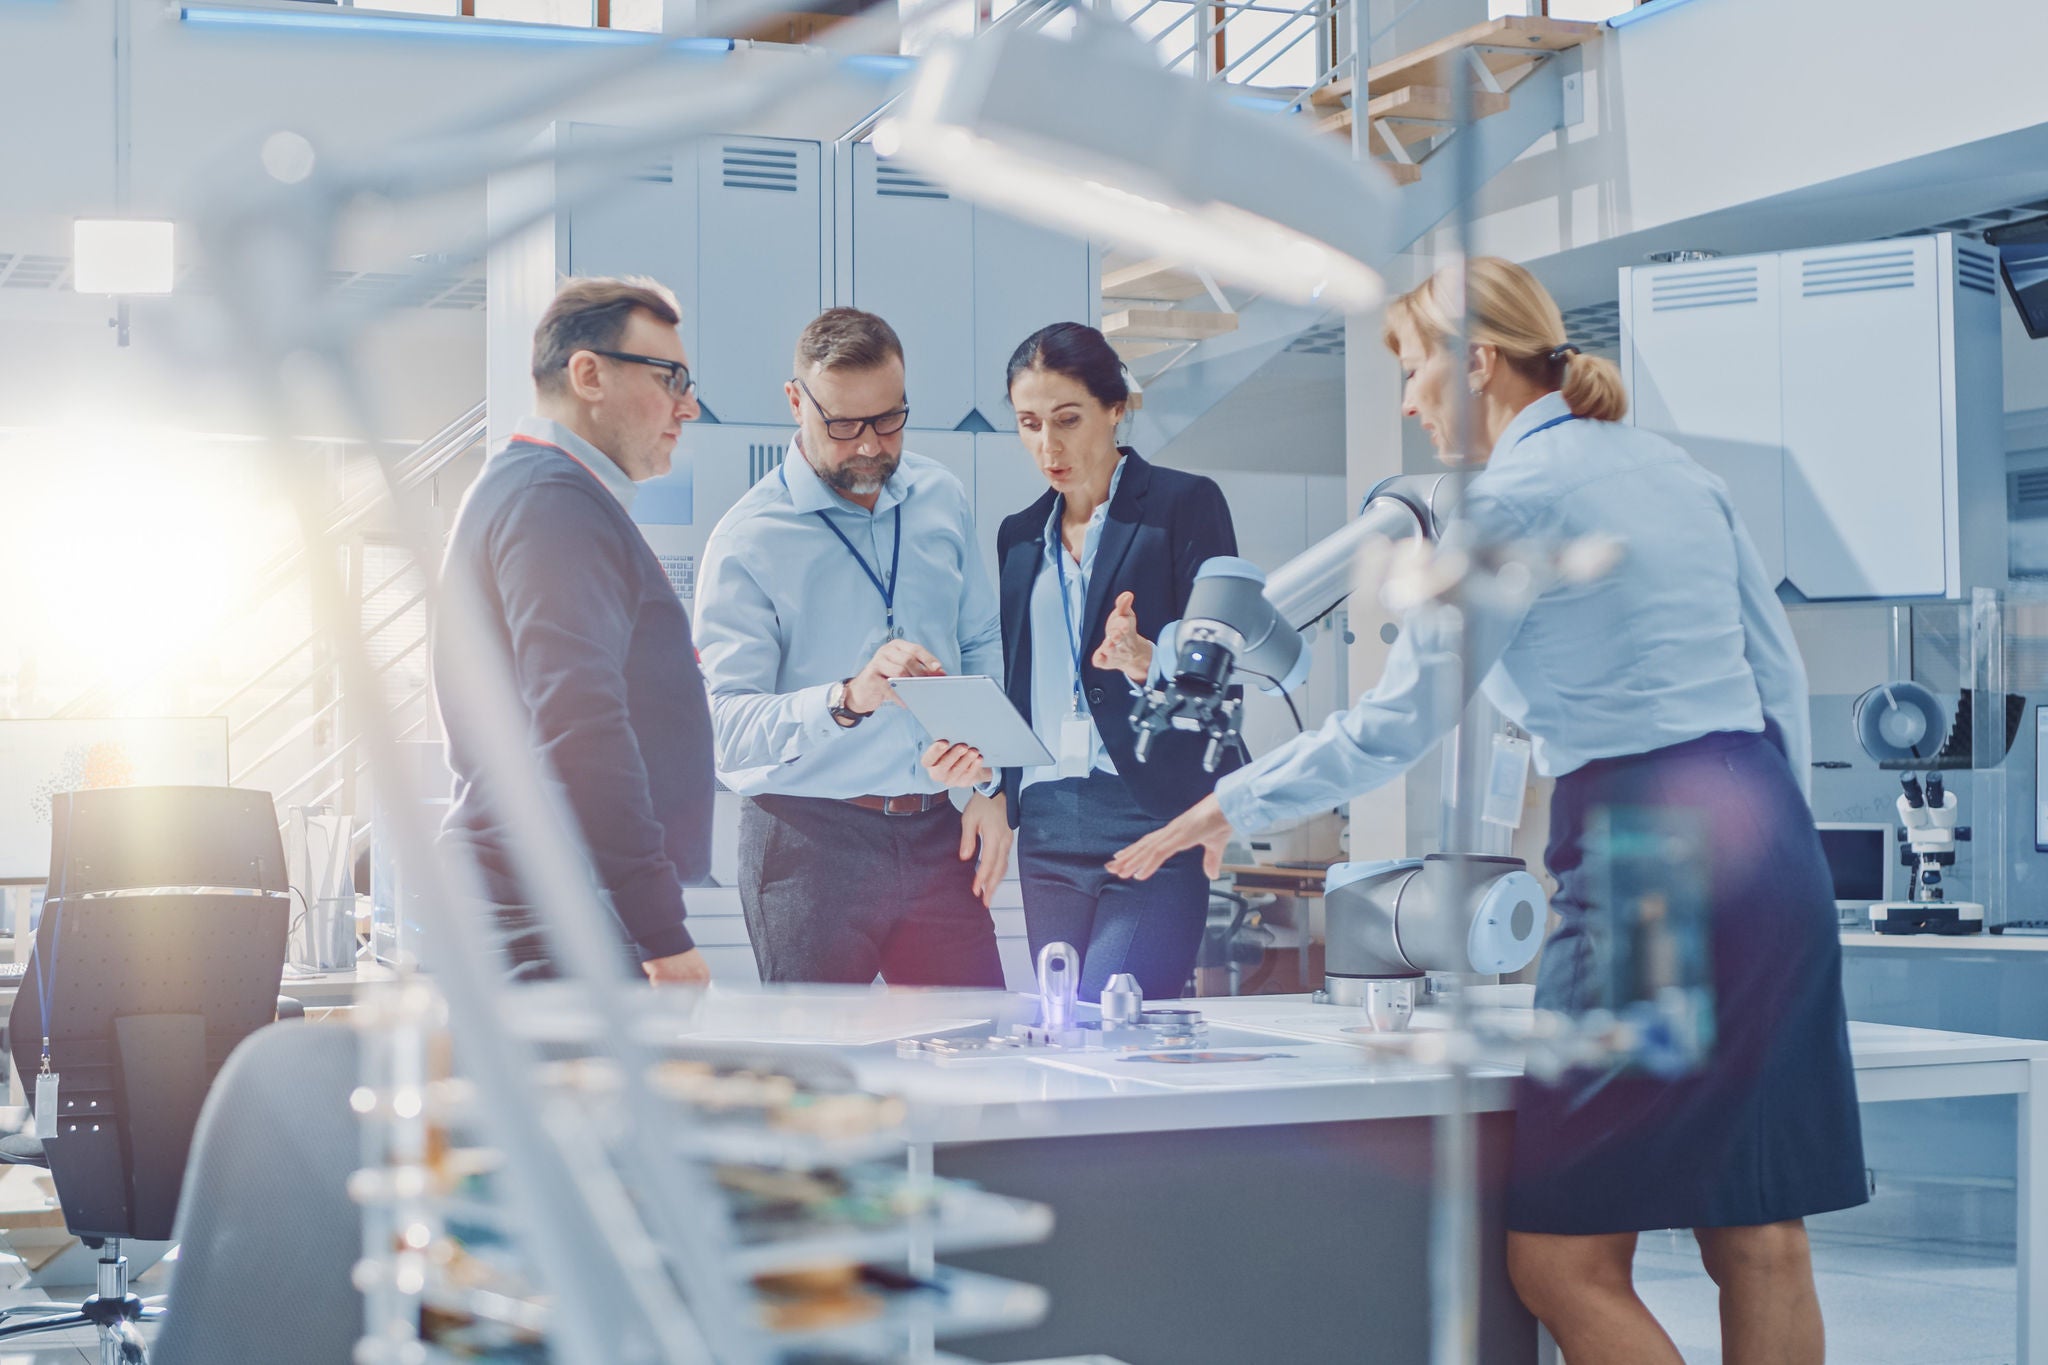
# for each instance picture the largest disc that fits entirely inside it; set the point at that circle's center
(2023, 260)
(41, 758)
(1860, 859)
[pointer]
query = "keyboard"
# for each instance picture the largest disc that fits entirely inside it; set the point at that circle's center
(13, 973)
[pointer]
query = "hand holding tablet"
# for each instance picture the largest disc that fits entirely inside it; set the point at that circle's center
(973, 711)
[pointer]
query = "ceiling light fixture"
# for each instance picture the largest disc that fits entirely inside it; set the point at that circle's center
(1090, 137)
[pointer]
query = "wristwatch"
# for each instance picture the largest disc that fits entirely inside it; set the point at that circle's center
(835, 704)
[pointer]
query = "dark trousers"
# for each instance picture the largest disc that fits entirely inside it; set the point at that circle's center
(1152, 929)
(833, 892)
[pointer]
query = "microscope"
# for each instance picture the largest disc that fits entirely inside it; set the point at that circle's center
(1386, 923)
(1927, 843)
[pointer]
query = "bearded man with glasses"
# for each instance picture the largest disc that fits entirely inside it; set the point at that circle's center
(853, 564)
(596, 639)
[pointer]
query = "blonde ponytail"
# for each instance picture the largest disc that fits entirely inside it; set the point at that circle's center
(1512, 312)
(1592, 388)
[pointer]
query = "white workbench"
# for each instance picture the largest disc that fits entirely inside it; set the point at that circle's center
(1948, 943)
(1015, 1098)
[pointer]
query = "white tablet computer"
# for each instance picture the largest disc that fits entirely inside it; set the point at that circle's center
(974, 710)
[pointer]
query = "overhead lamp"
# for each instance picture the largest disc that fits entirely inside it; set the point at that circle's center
(122, 256)
(1090, 136)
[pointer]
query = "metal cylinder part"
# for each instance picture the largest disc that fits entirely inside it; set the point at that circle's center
(1122, 1000)
(1390, 1003)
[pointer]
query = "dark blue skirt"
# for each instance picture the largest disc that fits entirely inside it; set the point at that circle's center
(1767, 1129)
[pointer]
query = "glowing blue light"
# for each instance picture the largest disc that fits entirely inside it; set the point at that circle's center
(1643, 11)
(350, 21)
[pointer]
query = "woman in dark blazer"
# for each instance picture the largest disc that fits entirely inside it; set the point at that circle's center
(1088, 574)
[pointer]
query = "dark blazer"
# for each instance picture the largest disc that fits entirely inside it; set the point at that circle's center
(1162, 524)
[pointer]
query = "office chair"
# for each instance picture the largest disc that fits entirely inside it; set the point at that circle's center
(267, 1234)
(161, 947)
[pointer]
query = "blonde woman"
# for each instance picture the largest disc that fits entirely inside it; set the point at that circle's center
(1670, 683)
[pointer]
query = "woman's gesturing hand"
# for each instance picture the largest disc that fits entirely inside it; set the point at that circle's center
(1122, 648)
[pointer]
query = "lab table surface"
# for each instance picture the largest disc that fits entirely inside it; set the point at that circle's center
(1202, 1217)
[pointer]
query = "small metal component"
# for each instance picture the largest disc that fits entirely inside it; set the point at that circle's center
(1390, 1003)
(1122, 1000)
(1059, 985)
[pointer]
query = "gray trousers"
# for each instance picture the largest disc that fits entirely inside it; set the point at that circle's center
(836, 893)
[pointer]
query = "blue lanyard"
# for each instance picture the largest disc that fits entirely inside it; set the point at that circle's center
(1553, 422)
(1059, 563)
(888, 589)
(53, 911)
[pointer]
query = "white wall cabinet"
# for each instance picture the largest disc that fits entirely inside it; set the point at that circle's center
(961, 285)
(1850, 396)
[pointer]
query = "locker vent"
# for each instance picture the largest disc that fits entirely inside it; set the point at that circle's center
(1976, 270)
(682, 574)
(656, 173)
(27, 271)
(893, 182)
(1864, 272)
(762, 460)
(760, 168)
(1722, 287)
(2027, 495)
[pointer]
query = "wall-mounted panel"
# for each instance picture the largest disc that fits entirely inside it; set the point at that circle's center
(913, 264)
(1865, 514)
(763, 235)
(715, 463)
(1701, 345)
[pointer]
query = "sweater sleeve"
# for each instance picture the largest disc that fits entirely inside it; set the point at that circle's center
(570, 601)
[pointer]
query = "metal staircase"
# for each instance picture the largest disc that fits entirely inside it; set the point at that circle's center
(285, 733)
(1189, 342)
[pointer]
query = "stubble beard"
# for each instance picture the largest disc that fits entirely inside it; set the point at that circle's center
(863, 477)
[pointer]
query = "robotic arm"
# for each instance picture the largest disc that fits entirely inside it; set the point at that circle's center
(1241, 626)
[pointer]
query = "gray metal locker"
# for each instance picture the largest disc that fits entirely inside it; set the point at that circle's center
(763, 236)
(644, 226)
(1024, 278)
(1005, 481)
(913, 263)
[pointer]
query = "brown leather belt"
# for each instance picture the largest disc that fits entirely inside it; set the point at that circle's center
(916, 803)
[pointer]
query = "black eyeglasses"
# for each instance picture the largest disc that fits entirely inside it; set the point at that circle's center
(677, 381)
(850, 428)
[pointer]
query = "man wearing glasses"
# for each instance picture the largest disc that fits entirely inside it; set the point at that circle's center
(597, 640)
(853, 564)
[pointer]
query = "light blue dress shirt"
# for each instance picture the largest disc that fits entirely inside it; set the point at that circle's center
(1684, 637)
(783, 612)
(550, 432)
(1053, 693)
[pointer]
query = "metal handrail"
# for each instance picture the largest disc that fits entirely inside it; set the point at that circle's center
(427, 459)
(340, 751)
(1314, 12)
(285, 740)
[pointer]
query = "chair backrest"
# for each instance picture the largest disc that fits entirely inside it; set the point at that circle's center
(142, 838)
(266, 1230)
(149, 991)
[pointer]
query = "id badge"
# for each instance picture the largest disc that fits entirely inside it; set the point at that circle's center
(1077, 745)
(46, 1105)
(1507, 782)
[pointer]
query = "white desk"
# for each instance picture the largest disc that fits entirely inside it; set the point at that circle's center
(1015, 1099)
(1947, 943)
(328, 990)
